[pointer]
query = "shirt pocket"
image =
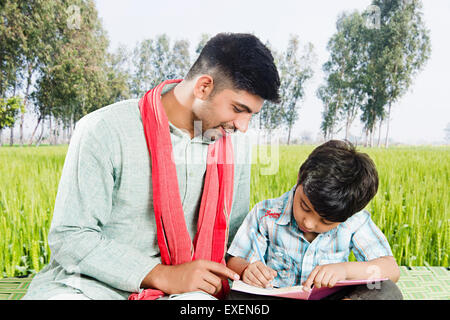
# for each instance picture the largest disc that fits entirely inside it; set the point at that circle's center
(329, 257)
(280, 261)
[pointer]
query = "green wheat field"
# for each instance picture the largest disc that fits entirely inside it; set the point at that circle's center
(411, 206)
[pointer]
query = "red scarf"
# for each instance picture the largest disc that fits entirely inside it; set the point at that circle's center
(174, 240)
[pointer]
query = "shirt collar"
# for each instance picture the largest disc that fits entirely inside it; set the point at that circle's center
(287, 213)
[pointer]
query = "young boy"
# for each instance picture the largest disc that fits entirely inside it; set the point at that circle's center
(306, 234)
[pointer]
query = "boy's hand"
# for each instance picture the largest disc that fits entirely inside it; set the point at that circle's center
(326, 275)
(258, 274)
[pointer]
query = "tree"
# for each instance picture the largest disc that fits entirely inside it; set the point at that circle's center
(294, 72)
(329, 114)
(9, 110)
(74, 82)
(294, 67)
(344, 71)
(141, 77)
(204, 38)
(11, 41)
(179, 60)
(447, 133)
(407, 50)
(154, 61)
(118, 77)
(29, 29)
(397, 51)
(374, 56)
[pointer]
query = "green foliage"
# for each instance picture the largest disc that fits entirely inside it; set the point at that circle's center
(9, 109)
(74, 82)
(295, 68)
(156, 60)
(343, 93)
(372, 66)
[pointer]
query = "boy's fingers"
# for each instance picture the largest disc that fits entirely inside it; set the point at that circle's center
(309, 282)
(250, 277)
(332, 282)
(318, 279)
(326, 279)
(259, 275)
(265, 271)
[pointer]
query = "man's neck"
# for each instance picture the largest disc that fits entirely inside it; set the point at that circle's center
(178, 106)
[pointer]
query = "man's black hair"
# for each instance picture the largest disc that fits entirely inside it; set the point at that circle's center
(338, 180)
(243, 61)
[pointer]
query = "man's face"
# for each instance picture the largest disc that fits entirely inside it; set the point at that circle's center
(308, 220)
(227, 109)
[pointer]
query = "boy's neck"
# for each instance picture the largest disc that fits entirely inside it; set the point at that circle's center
(310, 236)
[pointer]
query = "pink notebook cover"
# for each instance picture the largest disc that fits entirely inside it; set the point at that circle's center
(297, 292)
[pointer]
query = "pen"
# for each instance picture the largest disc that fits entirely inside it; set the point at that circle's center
(255, 241)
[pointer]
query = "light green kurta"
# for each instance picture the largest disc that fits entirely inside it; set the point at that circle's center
(103, 233)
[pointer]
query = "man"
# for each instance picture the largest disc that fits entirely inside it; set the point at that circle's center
(105, 240)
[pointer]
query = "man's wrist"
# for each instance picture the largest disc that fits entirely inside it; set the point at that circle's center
(155, 278)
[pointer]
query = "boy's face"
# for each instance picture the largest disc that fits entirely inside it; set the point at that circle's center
(308, 220)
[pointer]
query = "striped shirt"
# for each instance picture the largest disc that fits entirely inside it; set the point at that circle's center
(287, 251)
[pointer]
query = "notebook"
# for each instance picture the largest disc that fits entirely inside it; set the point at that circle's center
(297, 292)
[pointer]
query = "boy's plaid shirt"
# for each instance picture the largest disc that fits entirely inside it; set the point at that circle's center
(291, 255)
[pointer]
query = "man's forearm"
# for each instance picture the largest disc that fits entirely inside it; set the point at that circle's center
(383, 267)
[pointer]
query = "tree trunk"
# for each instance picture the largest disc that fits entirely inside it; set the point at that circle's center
(34, 131)
(38, 142)
(386, 141)
(57, 130)
(289, 135)
(366, 143)
(50, 131)
(25, 102)
(64, 132)
(379, 134)
(347, 127)
(11, 137)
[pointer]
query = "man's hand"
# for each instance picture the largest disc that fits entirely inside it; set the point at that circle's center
(196, 275)
(258, 274)
(326, 275)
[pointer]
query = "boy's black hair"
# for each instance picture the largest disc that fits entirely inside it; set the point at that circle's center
(338, 180)
(240, 60)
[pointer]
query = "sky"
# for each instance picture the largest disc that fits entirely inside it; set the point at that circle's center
(419, 117)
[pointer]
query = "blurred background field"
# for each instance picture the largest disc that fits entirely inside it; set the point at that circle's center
(411, 206)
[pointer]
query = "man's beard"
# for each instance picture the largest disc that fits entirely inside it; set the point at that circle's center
(205, 128)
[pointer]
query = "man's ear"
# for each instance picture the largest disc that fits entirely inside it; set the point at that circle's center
(204, 86)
